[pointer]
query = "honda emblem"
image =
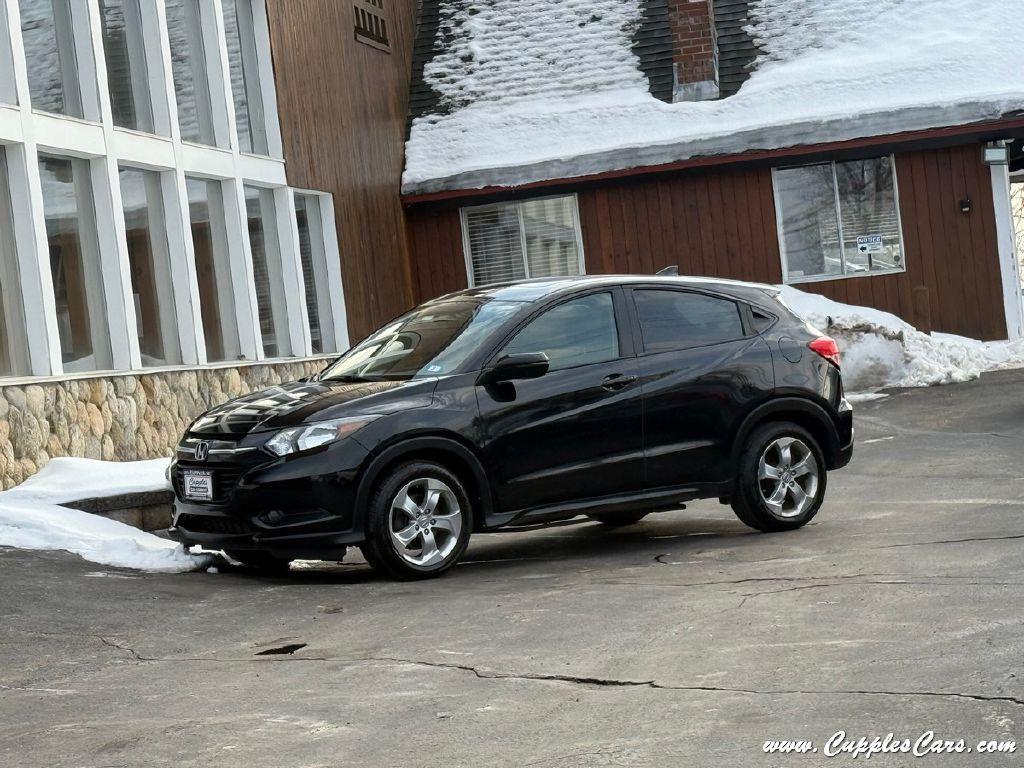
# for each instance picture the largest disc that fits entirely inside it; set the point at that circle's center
(202, 450)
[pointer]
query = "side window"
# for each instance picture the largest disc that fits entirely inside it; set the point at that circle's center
(578, 332)
(677, 319)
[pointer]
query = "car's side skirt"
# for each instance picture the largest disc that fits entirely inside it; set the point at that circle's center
(655, 499)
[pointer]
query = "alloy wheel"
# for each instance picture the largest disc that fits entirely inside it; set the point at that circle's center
(787, 477)
(425, 522)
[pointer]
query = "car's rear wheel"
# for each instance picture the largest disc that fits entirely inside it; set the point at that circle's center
(618, 519)
(259, 561)
(782, 478)
(418, 523)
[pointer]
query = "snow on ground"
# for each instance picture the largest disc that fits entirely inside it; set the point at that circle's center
(538, 82)
(881, 350)
(31, 516)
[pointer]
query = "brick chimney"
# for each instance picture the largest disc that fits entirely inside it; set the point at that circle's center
(694, 49)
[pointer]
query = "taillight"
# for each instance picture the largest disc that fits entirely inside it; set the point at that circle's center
(826, 347)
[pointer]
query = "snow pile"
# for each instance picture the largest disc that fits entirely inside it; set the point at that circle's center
(31, 516)
(557, 86)
(881, 350)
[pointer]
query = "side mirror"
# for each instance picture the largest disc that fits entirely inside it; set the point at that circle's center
(529, 365)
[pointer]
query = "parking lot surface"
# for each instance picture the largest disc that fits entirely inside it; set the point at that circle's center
(684, 640)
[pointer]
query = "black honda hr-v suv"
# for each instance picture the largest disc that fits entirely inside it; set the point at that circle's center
(520, 404)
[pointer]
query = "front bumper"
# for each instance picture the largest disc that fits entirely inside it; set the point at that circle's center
(300, 506)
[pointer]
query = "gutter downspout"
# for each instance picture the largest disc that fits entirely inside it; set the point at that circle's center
(1009, 267)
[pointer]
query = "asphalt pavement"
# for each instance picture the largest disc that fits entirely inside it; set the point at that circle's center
(686, 640)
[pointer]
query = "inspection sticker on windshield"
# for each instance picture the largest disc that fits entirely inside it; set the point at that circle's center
(198, 485)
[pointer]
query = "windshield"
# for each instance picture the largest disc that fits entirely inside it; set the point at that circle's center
(429, 341)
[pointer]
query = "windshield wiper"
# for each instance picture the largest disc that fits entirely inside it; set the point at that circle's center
(349, 379)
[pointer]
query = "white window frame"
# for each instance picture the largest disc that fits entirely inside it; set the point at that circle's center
(780, 230)
(24, 133)
(9, 94)
(12, 312)
(328, 280)
(265, 108)
(518, 204)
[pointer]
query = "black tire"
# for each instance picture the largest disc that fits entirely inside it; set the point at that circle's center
(380, 548)
(748, 499)
(259, 561)
(618, 519)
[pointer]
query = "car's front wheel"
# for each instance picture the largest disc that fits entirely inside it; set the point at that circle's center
(781, 480)
(418, 523)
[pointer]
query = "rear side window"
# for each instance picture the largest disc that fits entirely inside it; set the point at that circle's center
(762, 320)
(678, 319)
(579, 332)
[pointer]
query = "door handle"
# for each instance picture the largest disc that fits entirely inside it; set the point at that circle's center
(618, 381)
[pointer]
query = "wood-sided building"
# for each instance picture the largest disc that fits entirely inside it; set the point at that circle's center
(902, 208)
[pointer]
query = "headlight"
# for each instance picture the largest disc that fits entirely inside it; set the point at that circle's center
(309, 436)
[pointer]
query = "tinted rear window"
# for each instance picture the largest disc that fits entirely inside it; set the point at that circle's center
(678, 319)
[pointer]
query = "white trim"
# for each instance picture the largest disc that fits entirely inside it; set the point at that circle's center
(10, 125)
(265, 66)
(14, 381)
(100, 148)
(155, 153)
(33, 254)
(9, 94)
(824, 278)
(293, 286)
(467, 252)
(236, 219)
(327, 270)
(1009, 267)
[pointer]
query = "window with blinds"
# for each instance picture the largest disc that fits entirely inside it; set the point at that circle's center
(516, 240)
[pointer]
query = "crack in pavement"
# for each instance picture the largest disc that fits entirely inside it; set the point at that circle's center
(603, 682)
(950, 541)
(852, 578)
(580, 680)
(117, 646)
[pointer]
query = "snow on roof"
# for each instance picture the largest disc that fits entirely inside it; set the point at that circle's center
(532, 90)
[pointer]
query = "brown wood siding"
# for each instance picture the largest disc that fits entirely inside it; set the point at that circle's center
(721, 223)
(438, 258)
(343, 106)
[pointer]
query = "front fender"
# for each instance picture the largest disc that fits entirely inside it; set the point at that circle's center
(438, 447)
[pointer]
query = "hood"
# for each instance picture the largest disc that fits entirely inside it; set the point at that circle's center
(289, 405)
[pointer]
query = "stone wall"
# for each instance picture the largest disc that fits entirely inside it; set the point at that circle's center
(118, 417)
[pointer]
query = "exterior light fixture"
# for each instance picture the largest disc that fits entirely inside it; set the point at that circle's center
(995, 153)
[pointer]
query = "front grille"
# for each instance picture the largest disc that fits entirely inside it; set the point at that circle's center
(206, 524)
(225, 480)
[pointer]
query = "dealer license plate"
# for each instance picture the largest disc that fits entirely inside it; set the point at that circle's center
(198, 485)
